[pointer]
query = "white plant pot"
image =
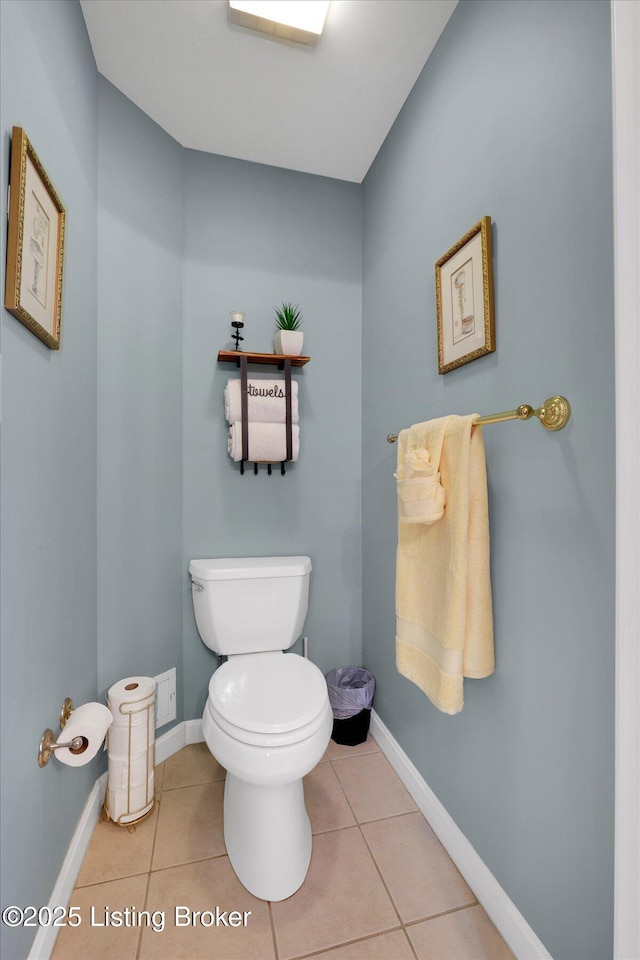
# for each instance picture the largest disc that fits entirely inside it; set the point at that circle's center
(288, 343)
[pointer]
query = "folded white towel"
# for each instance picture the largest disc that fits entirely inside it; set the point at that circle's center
(267, 442)
(266, 401)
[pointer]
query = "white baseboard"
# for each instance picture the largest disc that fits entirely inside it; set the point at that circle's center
(193, 731)
(189, 731)
(46, 936)
(169, 743)
(503, 913)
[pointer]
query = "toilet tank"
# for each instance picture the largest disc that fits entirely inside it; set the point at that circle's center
(250, 604)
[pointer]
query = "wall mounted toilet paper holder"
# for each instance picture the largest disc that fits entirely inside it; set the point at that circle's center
(48, 740)
(66, 710)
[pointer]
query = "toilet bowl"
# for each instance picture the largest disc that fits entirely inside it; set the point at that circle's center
(267, 719)
(267, 745)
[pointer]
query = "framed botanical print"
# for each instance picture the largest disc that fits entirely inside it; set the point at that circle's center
(464, 299)
(35, 245)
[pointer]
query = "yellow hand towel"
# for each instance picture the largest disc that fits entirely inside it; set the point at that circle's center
(444, 620)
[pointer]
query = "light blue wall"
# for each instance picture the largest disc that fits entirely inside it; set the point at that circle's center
(140, 239)
(511, 117)
(256, 236)
(48, 506)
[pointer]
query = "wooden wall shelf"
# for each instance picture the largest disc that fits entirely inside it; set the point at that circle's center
(268, 359)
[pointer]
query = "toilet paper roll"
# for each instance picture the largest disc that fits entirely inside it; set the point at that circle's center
(141, 734)
(138, 717)
(90, 721)
(138, 794)
(118, 774)
(139, 771)
(139, 727)
(132, 804)
(138, 740)
(129, 694)
(122, 772)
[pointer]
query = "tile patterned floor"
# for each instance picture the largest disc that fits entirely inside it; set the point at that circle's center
(380, 885)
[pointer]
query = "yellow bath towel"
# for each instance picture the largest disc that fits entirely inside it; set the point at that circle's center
(444, 619)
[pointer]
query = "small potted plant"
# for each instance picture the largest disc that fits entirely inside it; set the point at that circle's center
(289, 337)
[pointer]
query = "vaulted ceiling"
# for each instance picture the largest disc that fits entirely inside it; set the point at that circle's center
(221, 88)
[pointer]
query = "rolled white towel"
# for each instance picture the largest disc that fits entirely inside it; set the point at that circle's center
(267, 442)
(266, 401)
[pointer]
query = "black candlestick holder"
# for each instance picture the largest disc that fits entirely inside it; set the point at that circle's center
(237, 322)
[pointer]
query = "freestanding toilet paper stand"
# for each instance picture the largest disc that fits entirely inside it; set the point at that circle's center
(131, 817)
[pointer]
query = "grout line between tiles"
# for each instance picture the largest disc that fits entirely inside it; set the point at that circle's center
(155, 832)
(187, 863)
(371, 854)
(185, 786)
(384, 883)
(393, 816)
(196, 783)
(158, 799)
(346, 943)
(125, 876)
(353, 813)
(144, 907)
(364, 823)
(409, 941)
(443, 913)
(362, 753)
(369, 851)
(273, 931)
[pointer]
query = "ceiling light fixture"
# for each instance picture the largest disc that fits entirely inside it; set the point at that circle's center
(299, 20)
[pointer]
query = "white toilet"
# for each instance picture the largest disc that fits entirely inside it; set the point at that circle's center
(267, 719)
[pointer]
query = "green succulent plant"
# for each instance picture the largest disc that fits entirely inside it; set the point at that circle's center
(288, 317)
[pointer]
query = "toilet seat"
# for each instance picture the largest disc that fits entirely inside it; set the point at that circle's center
(268, 699)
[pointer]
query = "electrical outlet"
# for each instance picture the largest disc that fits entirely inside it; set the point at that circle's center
(165, 697)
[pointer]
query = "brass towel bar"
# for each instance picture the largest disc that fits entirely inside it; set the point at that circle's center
(553, 415)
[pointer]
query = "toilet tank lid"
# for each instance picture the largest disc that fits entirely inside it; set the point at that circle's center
(249, 568)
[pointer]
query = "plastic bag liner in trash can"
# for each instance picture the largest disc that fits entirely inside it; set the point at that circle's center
(351, 691)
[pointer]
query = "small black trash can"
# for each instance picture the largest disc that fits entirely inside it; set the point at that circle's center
(351, 691)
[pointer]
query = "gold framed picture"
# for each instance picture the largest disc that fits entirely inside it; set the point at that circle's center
(464, 299)
(35, 245)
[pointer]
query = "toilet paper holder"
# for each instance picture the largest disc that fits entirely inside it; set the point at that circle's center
(48, 741)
